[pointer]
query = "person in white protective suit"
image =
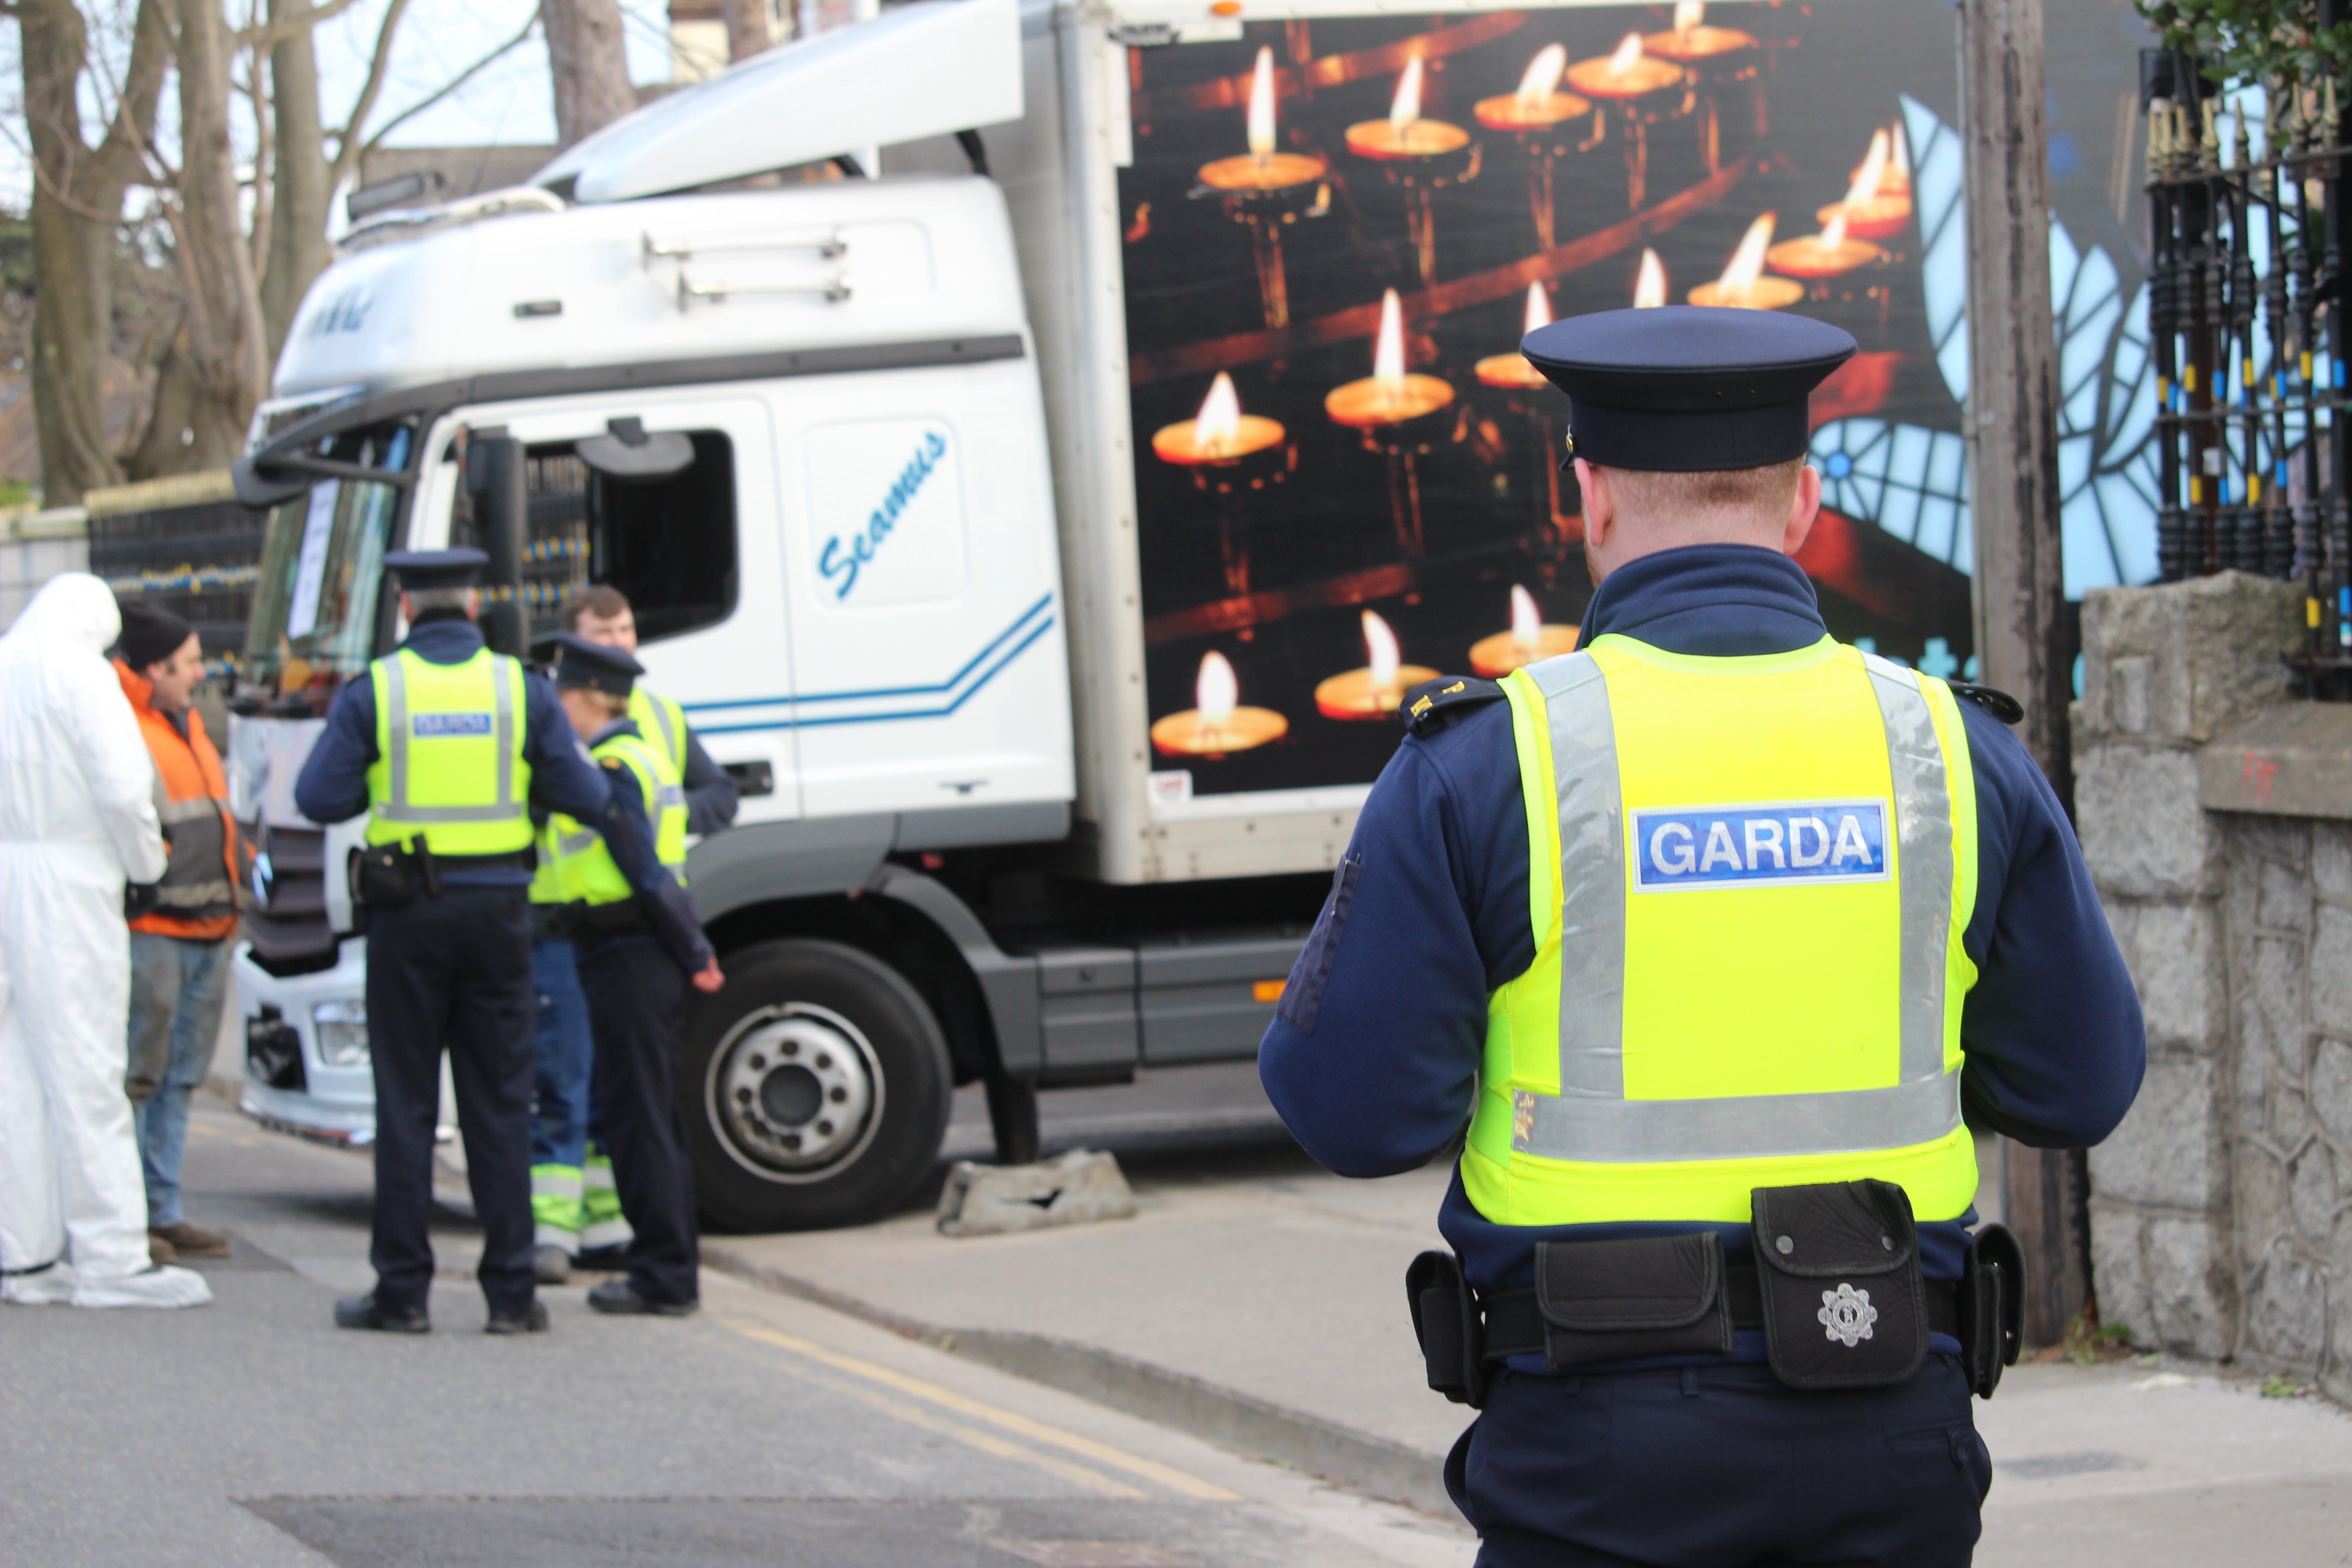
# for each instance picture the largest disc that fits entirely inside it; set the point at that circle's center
(77, 818)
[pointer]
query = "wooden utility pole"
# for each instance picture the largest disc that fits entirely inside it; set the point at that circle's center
(2012, 435)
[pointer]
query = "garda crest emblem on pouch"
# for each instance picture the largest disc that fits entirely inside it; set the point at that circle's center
(1846, 1315)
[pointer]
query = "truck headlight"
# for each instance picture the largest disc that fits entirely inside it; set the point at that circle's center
(342, 1029)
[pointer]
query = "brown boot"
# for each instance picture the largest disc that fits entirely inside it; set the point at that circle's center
(192, 1240)
(159, 1252)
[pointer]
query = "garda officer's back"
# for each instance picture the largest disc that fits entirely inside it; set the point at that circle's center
(1701, 937)
(445, 744)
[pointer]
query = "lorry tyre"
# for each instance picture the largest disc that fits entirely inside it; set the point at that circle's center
(815, 1088)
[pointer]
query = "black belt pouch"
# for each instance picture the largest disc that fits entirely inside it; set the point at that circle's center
(1624, 1300)
(1838, 1267)
(383, 877)
(1992, 1307)
(1445, 1322)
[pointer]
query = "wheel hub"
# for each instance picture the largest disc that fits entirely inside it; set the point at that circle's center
(795, 1091)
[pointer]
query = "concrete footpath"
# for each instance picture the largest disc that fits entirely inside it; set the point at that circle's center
(1258, 1302)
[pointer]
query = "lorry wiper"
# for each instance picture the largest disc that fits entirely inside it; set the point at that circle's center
(333, 467)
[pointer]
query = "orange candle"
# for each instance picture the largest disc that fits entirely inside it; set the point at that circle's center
(1539, 104)
(1388, 395)
(1404, 133)
(1375, 690)
(1872, 210)
(1219, 725)
(1220, 434)
(1512, 370)
(1829, 254)
(1743, 285)
(1262, 168)
(1624, 73)
(1692, 40)
(1529, 639)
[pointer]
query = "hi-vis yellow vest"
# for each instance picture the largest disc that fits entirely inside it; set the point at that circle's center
(583, 862)
(1748, 878)
(450, 754)
(661, 721)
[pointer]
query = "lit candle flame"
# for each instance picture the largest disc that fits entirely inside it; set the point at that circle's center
(1388, 354)
(1261, 107)
(1902, 151)
(1381, 651)
(1625, 55)
(1834, 236)
(1747, 262)
(1688, 14)
(1526, 621)
(1539, 307)
(1542, 78)
(1650, 284)
(1405, 107)
(1865, 179)
(1217, 692)
(1218, 425)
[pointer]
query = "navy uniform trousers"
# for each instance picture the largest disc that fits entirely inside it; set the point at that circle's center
(452, 973)
(1721, 1466)
(636, 1005)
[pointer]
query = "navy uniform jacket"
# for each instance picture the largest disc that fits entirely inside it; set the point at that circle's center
(711, 795)
(333, 784)
(1377, 1073)
(666, 906)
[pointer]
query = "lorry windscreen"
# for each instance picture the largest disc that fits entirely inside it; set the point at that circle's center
(315, 605)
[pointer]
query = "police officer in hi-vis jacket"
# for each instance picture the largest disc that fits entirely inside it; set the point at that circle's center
(446, 746)
(1710, 941)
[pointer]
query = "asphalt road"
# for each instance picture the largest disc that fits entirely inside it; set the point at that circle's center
(764, 1430)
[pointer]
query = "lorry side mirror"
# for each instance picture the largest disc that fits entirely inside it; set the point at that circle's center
(629, 451)
(267, 492)
(495, 475)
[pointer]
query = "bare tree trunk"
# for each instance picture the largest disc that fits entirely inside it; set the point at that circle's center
(227, 345)
(77, 203)
(301, 191)
(589, 63)
(747, 29)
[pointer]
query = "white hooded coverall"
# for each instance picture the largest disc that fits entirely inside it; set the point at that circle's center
(77, 817)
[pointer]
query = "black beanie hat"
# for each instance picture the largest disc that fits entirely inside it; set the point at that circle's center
(150, 634)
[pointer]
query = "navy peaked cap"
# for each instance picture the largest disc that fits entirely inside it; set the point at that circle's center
(1687, 388)
(579, 662)
(419, 569)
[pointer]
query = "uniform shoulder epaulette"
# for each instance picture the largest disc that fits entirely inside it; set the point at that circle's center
(1998, 703)
(1433, 704)
(610, 762)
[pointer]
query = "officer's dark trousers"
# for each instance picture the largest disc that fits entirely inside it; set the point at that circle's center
(636, 1005)
(454, 973)
(1721, 1468)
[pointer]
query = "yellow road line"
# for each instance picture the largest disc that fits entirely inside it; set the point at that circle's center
(1101, 1453)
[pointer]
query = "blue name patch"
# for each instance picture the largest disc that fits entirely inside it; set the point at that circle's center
(451, 724)
(1780, 844)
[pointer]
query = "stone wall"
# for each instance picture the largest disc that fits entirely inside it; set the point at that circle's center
(2221, 1210)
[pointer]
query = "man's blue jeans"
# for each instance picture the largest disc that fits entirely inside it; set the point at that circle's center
(177, 988)
(565, 1053)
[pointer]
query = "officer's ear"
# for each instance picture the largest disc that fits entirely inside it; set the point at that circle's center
(1803, 508)
(1600, 505)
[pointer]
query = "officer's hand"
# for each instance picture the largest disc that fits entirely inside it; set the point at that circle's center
(707, 977)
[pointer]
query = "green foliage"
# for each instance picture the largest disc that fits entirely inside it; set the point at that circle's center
(2252, 40)
(2278, 1385)
(17, 492)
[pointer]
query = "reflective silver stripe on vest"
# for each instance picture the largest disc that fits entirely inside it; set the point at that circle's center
(1591, 1120)
(672, 742)
(671, 795)
(1592, 876)
(196, 810)
(195, 840)
(1923, 815)
(578, 843)
(396, 806)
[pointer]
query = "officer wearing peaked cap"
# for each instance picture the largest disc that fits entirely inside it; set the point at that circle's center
(1702, 940)
(445, 747)
(640, 946)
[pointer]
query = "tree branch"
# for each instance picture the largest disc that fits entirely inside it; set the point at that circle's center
(454, 83)
(268, 35)
(347, 150)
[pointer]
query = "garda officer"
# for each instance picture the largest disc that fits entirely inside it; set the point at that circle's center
(447, 745)
(641, 944)
(1705, 934)
(573, 1197)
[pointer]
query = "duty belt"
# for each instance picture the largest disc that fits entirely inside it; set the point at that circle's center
(1514, 1322)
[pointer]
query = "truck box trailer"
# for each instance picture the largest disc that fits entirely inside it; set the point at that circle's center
(1059, 516)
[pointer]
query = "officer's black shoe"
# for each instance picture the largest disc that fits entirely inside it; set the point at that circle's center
(552, 1264)
(531, 1319)
(621, 1298)
(367, 1312)
(604, 1259)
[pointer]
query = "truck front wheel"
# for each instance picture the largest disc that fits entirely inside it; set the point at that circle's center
(815, 1088)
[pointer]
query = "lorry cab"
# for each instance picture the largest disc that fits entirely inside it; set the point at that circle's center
(801, 425)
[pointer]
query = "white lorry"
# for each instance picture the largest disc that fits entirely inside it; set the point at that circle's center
(1051, 678)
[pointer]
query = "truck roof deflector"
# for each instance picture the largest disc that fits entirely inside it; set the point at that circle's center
(925, 69)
